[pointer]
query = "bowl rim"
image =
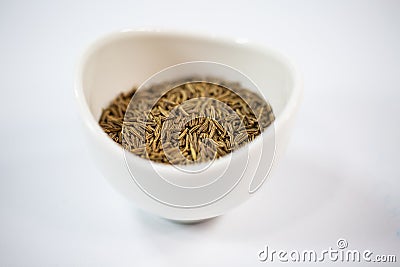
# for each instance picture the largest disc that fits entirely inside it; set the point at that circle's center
(289, 108)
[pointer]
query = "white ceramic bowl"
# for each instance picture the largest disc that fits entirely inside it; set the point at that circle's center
(118, 61)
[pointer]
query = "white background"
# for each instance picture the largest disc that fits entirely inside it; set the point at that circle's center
(338, 179)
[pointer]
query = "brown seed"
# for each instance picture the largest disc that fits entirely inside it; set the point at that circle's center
(193, 152)
(207, 134)
(163, 111)
(183, 133)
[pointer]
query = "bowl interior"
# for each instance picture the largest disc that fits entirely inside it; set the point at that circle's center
(121, 61)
